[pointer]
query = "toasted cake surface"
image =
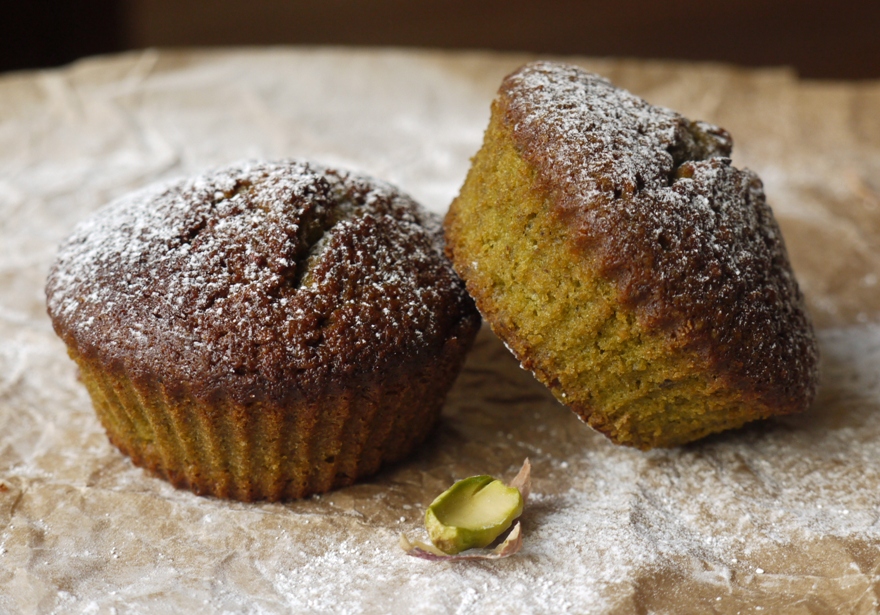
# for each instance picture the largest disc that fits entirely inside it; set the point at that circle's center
(268, 281)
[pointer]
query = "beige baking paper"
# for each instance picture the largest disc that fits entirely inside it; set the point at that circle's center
(779, 517)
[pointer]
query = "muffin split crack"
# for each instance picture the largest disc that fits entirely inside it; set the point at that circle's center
(628, 264)
(266, 331)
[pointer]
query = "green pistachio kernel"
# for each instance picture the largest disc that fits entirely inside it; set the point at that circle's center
(472, 513)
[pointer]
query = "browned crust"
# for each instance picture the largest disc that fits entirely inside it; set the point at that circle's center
(750, 326)
(339, 295)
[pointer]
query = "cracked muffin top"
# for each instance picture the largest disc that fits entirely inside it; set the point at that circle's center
(264, 281)
(652, 200)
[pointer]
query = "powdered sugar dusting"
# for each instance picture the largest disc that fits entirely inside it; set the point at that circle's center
(255, 273)
(603, 139)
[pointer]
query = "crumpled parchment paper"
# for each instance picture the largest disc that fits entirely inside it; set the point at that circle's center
(780, 516)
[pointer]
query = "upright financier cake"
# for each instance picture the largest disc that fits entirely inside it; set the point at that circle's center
(624, 260)
(266, 331)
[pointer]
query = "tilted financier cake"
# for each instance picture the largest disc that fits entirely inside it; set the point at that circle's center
(624, 260)
(266, 331)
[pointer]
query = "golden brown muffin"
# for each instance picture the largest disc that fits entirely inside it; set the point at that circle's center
(266, 331)
(624, 260)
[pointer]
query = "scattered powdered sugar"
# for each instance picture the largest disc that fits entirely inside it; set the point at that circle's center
(608, 530)
(256, 273)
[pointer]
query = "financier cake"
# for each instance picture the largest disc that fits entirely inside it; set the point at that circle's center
(265, 331)
(626, 262)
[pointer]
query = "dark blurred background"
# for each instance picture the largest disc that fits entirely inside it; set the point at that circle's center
(838, 40)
